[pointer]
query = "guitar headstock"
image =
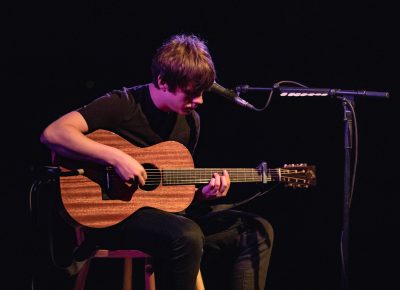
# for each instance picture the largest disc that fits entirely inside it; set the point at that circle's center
(298, 175)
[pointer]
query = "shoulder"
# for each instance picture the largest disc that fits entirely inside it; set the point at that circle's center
(135, 93)
(125, 97)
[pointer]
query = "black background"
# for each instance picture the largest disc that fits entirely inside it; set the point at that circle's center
(59, 56)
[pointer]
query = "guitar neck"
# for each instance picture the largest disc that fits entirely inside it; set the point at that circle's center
(203, 175)
(237, 175)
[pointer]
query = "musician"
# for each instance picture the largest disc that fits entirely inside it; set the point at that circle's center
(233, 248)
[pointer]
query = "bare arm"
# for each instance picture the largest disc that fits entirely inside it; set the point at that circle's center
(66, 137)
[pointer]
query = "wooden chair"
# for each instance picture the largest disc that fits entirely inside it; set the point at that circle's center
(128, 256)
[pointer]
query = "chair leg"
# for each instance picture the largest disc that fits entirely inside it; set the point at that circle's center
(199, 282)
(80, 279)
(149, 279)
(127, 280)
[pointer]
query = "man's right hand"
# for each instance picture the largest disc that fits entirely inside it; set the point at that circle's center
(129, 169)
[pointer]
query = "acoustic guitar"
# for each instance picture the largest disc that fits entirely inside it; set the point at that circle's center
(94, 196)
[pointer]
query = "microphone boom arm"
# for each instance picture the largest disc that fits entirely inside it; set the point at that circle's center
(313, 92)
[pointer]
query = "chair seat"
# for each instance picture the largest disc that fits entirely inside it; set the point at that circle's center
(121, 254)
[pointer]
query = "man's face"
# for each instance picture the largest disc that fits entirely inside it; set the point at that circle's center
(184, 101)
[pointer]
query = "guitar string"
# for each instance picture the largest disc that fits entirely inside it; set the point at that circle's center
(201, 174)
(155, 181)
(212, 170)
(299, 181)
(196, 175)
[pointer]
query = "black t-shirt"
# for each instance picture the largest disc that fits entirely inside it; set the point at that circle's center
(131, 113)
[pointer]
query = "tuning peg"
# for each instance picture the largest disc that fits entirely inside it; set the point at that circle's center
(297, 185)
(288, 165)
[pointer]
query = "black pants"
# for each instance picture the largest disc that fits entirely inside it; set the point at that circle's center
(237, 251)
(236, 245)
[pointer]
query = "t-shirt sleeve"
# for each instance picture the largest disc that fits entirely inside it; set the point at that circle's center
(108, 111)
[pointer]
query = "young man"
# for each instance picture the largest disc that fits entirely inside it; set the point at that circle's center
(225, 243)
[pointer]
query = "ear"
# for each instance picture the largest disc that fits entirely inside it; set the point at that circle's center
(162, 84)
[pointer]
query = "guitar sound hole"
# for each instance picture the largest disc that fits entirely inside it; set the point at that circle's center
(153, 177)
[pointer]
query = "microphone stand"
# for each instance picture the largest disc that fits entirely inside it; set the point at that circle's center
(347, 97)
(348, 146)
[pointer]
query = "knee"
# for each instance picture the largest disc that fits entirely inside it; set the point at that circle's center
(190, 238)
(265, 230)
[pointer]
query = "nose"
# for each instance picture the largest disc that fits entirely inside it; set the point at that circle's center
(198, 100)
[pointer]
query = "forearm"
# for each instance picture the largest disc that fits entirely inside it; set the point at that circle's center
(66, 137)
(75, 145)
(70, 141)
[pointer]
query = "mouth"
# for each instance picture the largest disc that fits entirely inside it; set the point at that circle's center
(191, 107)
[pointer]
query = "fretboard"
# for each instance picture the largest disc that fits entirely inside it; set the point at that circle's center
(203, 175)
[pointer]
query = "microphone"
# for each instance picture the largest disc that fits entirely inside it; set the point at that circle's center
(230, 95)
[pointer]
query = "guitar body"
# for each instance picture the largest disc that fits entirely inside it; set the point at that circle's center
(99, 198)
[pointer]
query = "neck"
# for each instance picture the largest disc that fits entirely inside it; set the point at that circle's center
(158, 97)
